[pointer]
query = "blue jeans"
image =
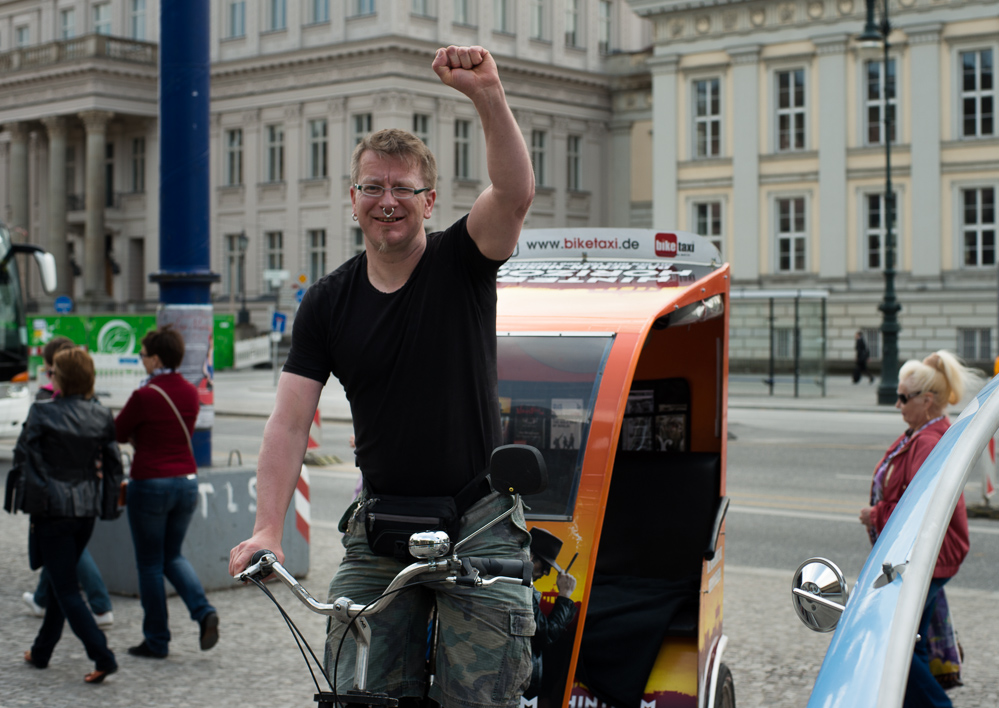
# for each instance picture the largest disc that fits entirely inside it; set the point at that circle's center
(60, 541)
(90, 580)
(159, 512)
(923, 689)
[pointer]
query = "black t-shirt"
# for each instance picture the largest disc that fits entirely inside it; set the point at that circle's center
(418, 365)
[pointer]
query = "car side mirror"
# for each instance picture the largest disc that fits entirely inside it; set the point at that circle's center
(818, 594)
(518, 469)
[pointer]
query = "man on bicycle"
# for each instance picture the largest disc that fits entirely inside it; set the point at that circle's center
(409, 328)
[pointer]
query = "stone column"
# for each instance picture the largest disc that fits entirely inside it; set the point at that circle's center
(56, 242)
(620, 174)
(927, 220)
(93, 236)
(745, 113)
(664, 141)
(18, 158)
(831, 108)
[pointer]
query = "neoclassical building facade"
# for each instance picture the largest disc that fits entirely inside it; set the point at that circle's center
(755, 123)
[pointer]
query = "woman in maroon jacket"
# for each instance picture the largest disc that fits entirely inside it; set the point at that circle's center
(925, 389)
(158, 420)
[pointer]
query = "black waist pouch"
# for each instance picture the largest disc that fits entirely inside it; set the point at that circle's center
(391, 520)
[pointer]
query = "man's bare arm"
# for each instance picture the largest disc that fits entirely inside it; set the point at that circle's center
(498, 214)
(286, 437)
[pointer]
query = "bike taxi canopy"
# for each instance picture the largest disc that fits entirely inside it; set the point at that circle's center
(613, 361)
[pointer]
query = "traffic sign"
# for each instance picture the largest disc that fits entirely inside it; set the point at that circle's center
(299, 294)
(278, 322)
(63, 304)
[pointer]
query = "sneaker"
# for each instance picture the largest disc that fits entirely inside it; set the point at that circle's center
(209, 630)
(105, 619)
(36, 610)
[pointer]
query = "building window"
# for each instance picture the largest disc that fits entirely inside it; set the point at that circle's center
(574, 159)
(237, 18)
(791, 110)
(102, 18)
(421, 127)
(137, 20)
(978, 226)
(539, 141)
(707, 118)
(880, 96)
(274, 244)
(362, 126)
(978, 94)
(572, 34)
(783, 338)
(791, 235)
(463, 149)
(358, 240)
(974, 344)
(421, 8)
(67, 24)
(872, 335)
(320, 11)
(604, 26)
(70, 172)
(364, 7)
(708, 223)
(317, 148)
(234, 272)
(22, 36)
(537, 13)
(315, 240)
(876, 230)
(462, 12)
(109, 174)
(501, 16)
(138, 164)
(233, 157)
(275, 153)
(277, 14)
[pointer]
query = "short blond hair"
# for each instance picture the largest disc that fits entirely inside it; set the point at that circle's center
(392, 142)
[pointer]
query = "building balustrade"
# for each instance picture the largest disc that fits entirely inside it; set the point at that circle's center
(91, 46)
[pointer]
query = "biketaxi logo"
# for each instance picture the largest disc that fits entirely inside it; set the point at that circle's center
(666, 245)
(116, 337)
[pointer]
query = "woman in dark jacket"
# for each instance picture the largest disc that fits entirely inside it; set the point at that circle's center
(70, 474)
(158, 420)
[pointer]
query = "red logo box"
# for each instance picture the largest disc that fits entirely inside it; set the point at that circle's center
(666, 245)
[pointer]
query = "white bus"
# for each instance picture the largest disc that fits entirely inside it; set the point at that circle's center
(15, 396)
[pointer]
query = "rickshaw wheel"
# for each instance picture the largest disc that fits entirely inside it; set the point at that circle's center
(725, 693)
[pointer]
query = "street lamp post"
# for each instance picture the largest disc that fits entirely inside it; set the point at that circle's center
(877, 33)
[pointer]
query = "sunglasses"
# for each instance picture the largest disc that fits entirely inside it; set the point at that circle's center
(905, 398)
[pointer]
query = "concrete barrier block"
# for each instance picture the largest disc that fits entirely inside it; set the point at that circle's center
(225, 516)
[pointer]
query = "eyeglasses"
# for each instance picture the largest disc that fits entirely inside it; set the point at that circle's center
(145, 356)
(904, 398)
(376, 190)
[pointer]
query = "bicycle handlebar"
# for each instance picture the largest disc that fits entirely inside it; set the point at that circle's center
(503, 569)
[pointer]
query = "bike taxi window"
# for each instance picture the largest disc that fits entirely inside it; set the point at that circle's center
(547, 388)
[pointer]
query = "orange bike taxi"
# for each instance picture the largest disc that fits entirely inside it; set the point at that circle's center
(613, 361)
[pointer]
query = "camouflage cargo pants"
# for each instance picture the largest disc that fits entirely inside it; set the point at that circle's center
(484, 644)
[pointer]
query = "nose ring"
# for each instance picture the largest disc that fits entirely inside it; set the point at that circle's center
(388, 214)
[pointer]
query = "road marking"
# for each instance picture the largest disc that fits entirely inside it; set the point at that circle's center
(787, 442)
(820, 516)
(739, 497)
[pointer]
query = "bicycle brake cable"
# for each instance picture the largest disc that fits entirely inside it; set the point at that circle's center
(297, 635)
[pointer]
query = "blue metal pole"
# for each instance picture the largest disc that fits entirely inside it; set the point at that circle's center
(185, 275)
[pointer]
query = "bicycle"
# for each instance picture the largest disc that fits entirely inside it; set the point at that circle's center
(518, 470)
